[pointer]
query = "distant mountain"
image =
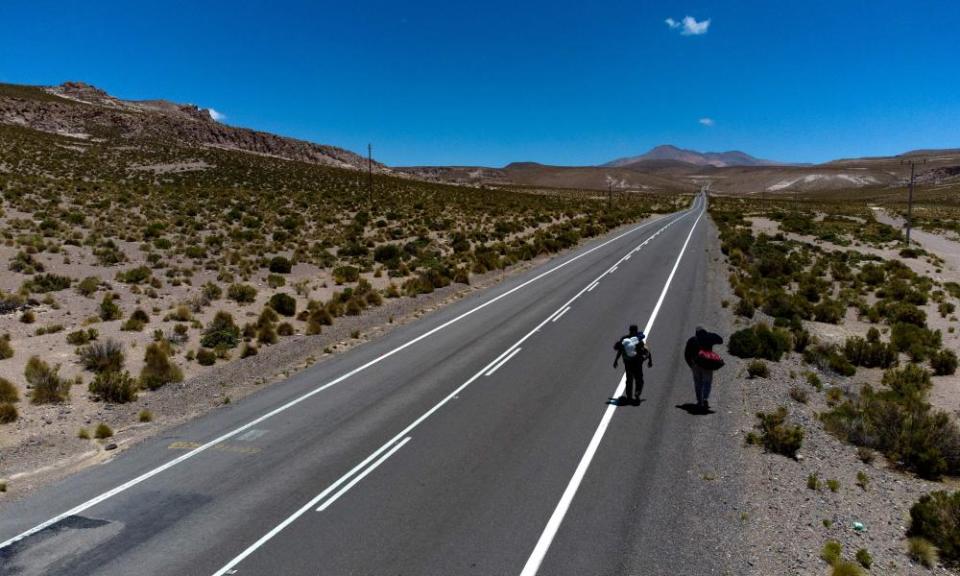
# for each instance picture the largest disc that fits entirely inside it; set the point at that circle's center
(86, 112)
(671, 153)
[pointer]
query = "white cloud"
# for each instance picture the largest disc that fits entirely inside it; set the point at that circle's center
(693, 28)
(219, 117)
(706, 121)
(689, 26)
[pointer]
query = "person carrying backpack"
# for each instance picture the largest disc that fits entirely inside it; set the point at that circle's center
(703, 361)
(634, 352)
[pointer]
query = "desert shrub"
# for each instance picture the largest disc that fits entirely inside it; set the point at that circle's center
(8, 413)
(922, 552)
(88, 286)
(114, 386)
(6, 349)
(905, 312)
(47, 385)
(799, 394)
(248, 350)
(936, 518)
(8, 392)
(267, 334)
(206, 357)
(42, 283)
(744, 308)
(900, 423)
(829, 357)
(25, 263)
(102, 431)
(28, 317)
(831, 551)
(81, 337)
(944, 362)
(758, 369)
(242, 293)
(813, 481)
(345, 274)
(776, 435)
(284, 304)
(280, 265)
(285, 329)
(869, 353)
(918, 342)
(102, 356)
(135, 323)
(211, 291)
(276, 281)
(388, 254)
(829, 311)
(157, 369)
(109, 309)
(137, 275)
(946, 308)
(760, 341)
(845, 568)
(221, 331)
(145, 416)
(864, 558)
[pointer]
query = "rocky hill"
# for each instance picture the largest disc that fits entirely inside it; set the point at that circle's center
(85, 112)
(672, 153)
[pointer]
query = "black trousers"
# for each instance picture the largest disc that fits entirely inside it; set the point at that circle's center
(634, 376)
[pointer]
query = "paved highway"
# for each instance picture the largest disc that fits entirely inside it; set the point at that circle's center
(478, 440)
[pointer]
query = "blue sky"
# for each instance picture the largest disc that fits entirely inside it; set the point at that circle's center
(441, 82)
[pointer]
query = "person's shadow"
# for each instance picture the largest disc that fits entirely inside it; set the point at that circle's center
(621, 401)
(694, 410)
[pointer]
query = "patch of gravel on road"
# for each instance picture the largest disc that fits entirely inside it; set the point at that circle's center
(51, 451)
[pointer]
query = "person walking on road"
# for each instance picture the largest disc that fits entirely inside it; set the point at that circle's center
(703, 361)
(634, 352)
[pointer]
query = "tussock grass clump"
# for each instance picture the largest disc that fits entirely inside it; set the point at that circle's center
(158, 370)
(102, 431)
(102, 356)
(870, 352)
(43, 283)
(114, 386)
(6, 349)
(81, 337)
(137, 275)
(799, 394)
(776, 435)
(109, 310)
(944, 362)
(845, 568)
(864, 558)
(280, 265)
(88, 286)
(8, 392)
(758, 369)
(922, 552)
(242, 293)
(47, 387)
(145, 416)
(8, 413)
(831, 551)
(206, 357)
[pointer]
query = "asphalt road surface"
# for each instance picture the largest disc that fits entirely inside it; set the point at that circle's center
(478, 440)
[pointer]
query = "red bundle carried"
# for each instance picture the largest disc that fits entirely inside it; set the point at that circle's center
(709, 360)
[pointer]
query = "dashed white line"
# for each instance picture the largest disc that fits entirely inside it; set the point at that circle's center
(362, 475)
(226, 436)
(502, 362)
(560, 315)
(276, 530)
(553, 524)
(592, 286)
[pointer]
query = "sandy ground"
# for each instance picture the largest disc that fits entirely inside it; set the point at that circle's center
(787, 522)
(946, 389)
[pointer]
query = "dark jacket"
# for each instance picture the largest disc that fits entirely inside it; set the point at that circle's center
(703, 340)
(643, 353)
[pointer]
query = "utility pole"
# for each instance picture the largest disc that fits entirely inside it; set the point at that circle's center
(609, 194)
(370, 172)
(913, 166)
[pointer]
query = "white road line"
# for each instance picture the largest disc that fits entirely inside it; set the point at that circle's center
(562, 312)
(224, 437)
(361, 476)
(612, 270)
(553, 524)
(594, 285)
(263, 540)
(502, 362)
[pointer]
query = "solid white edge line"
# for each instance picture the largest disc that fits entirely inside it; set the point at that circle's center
(361, 476)
(186, 456)
(264, 539)
(553, 524)
(502, 362)
(592, 286)
(560, 315)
